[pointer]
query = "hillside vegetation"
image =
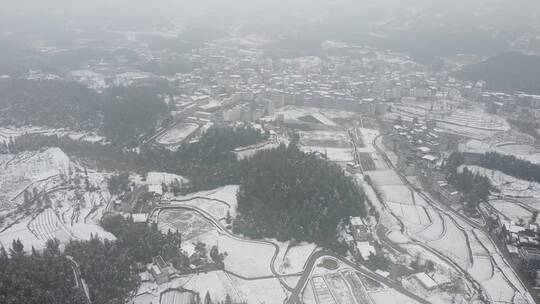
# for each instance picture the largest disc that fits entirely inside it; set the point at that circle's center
(289, 195)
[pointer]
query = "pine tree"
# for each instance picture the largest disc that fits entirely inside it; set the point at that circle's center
(207, 299)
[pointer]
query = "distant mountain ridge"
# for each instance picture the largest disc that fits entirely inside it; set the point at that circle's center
(507, 72)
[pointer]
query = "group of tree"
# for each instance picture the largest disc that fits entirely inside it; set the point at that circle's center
(51, 103)
(111, 268)
(529, 270)
(37, 277)
(290, 195)
(118, 183)
(131, 112)
(208, 300)
(474, 188)
(202, 256)
(210, 161)
(122, 114)
(528, 126)
(511, 165)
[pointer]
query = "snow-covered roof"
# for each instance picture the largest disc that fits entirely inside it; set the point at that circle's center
(430, 157)
(365, 249)
(423, 149)
(157, 189)
(425, 280)
(382, 273)
(357, 221)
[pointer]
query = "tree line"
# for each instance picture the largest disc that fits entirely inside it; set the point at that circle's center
(511, 165)
(110, 268)
(207, 163)
(38, 277)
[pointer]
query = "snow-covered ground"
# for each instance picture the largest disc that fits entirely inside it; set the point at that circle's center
(338, 155)
(177, 134)
(157, 178)
(248, 259)
(218, 284)
(7, 133)
(216, 202)
(451, 240)
(512, 211)
(293, 113)
(508, 185)
(88, 78)
(294, 258)
(330, 139)
(187, 222)
(510, 142)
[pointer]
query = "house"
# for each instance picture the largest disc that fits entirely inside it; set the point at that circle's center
(365, 249)
(156, 189)
(359, 229)
(382, 273)
(513, 251)
(159, 270)
(529, 254)
(430, 160)
(424, 280)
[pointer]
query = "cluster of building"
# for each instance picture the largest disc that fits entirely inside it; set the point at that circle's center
(359, 237)
(418, 144)
(522, 240)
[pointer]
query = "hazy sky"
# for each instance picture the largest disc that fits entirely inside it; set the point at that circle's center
(210, 12)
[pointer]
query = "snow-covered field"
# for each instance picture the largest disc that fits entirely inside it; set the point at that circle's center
(511, 142)
(174, 296)
(158, 178)
(218, 284)
(294, 258)
(338, 155)
(330, 139)
(44, 197)
(249, 152)
(397, 194)
(248, 259)
(454, 243)
(177, 134)
(189, 223)
(216, 202)
(324, 117)
(385, 177)
(512, 211)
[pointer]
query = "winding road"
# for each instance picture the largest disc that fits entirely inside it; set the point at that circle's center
(154, 213)
(296, 296)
